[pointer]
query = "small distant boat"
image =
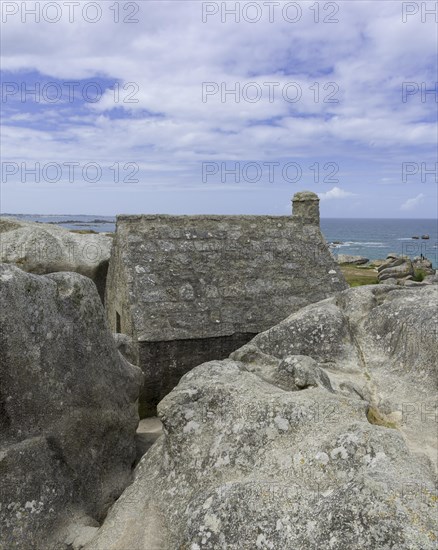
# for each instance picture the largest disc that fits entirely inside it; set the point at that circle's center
(425, 237)
(415, 237)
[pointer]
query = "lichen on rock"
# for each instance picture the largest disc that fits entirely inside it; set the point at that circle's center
(284, 446)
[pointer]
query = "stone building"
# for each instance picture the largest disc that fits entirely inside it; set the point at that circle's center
(189, 289)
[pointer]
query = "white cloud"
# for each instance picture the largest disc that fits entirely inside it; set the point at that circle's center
(411, 204)
(335, 193)
(171, 52)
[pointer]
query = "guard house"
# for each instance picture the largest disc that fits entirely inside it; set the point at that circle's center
(190, 289)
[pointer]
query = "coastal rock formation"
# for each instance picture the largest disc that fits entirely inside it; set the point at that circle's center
(352, 260)
(401, 270)
(395, 267)
(44, 248)
(424, 265)
(68, 411)
(126, 346)
(319, 433)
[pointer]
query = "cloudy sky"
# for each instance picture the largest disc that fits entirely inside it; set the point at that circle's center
(187, 107)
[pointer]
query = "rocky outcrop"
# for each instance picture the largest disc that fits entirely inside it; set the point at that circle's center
(126, 347)
(400, 270)
(424, 265)
(42, 248)
(395, 267)
(68, 411)
(319, 433)
(429, 280)
(351, 260)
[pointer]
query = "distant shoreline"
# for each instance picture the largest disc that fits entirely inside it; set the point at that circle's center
(373, 238)
(76, 217)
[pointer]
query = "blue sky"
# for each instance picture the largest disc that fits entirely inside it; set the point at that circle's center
(132, 117)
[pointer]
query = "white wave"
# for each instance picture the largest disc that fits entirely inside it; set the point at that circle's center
(365, 244)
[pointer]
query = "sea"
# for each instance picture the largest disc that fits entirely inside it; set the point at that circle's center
(371, 238)
(376, 238)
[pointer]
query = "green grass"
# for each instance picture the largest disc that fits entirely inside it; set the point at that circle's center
(357, 275)
(419, 275)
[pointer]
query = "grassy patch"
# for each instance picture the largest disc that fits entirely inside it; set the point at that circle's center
(357, 275)
(419, 275)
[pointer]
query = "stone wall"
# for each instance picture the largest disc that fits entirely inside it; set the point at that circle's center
(178, 283)
(164, 363)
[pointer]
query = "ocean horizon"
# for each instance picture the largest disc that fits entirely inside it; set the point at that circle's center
(373, 238)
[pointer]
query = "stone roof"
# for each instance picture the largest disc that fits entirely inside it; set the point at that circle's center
(210, 276)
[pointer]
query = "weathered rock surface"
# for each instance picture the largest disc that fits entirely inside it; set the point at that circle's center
(126, 346)
(68, 411)
(431, 279)
(148, 431)
(400, 270)
(43, 248)
(424, 265)
(319, 433)
(353, 260)
(395, 267)
(376, 263)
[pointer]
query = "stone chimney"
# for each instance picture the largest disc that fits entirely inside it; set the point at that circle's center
(305, 208)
